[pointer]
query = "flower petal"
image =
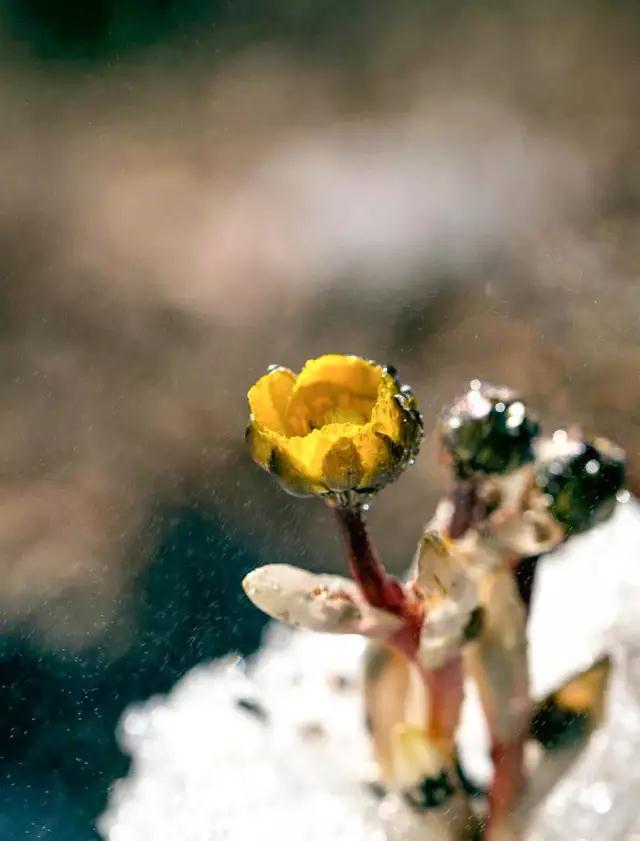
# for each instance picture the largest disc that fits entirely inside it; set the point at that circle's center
(333, 389)
(566, 717)
(269, 399)
(357, 375)
(271, 451)
(341, 466)
(327, 603)
(344, 424)
(386, 416)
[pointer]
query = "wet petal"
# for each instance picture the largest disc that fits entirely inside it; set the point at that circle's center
(357, 375)
(269, 399)
(344, 424)
(270, 451)
(334, 389)
(341, 466)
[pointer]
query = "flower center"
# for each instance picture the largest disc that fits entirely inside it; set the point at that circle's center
(322, 403)
(344, 414)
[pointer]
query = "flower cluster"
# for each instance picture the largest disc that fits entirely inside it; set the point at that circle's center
(341, 430)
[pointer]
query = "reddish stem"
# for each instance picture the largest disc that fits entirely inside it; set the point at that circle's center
(508, 779)
(381, 590)
(468, 508)
(445, 688)
(378, 587)
(507, 757)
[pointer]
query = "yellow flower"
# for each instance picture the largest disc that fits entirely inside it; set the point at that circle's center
(343, 424)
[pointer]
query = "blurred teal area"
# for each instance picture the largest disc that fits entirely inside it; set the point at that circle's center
(113, 30)
(104, 29)
(58, 753)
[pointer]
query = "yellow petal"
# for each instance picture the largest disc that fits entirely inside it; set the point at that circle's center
(269, 399)
(343, 424)
(350, 372)
(333, 389)
(386, 416)
(585, 691)
(273, 452)
(377, 455)
(341, 466)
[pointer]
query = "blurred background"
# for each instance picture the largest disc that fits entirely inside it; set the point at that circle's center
(194, 189)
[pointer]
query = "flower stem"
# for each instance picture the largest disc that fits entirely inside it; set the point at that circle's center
(378, 587)
(445, 692)
(467, 508)
(508, 780)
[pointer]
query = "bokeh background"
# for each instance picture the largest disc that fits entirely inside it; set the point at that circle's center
(194, 189)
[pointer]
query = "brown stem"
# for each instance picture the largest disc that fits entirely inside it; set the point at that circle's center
(378, 587)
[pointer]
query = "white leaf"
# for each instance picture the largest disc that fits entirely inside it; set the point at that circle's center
(326, 603)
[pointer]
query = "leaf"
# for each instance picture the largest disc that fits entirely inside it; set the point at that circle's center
(327, 603)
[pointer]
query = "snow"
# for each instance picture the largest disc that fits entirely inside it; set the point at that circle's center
(275, 748)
